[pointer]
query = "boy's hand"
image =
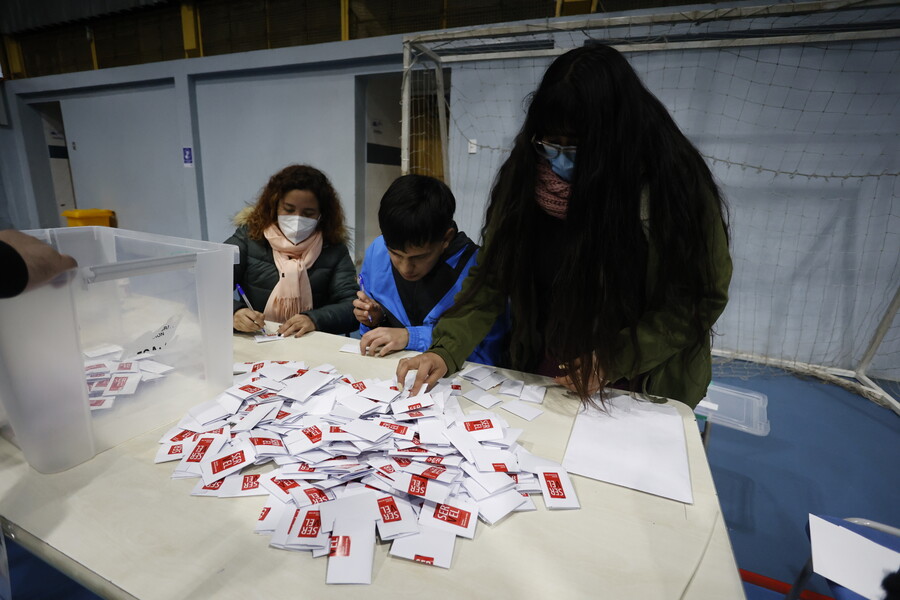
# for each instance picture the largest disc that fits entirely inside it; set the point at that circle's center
(382, 341)
(248, 320)
(367, 311)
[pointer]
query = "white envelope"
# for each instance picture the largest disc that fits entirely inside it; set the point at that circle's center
(557, 488)
(239, 485)
(418, 402)
(396, 517)
(456, 515)
(494, 508)
(482, 398)
(429, 546)
(302, 387)
(123, 385)
(482, 426)
(306, 532)
(522, 409)
(230, 460)
(491, 460)
(270, 515)
(352, 552)
(416, 485)
(533, 393)
(170, 451)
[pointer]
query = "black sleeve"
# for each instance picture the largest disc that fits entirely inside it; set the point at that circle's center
(15, 272)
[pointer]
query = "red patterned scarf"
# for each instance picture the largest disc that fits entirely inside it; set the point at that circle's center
(552, 191)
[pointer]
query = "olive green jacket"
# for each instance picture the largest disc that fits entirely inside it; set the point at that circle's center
(673, 363)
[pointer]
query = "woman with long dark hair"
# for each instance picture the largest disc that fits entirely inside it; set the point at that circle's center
(606, 235)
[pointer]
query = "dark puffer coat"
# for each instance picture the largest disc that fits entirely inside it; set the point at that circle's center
(332, 278)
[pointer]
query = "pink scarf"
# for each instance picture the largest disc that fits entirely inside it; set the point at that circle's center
(552, 191)
(293, 294)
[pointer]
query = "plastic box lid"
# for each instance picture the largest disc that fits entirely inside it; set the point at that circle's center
(736, 408)
(143, 293)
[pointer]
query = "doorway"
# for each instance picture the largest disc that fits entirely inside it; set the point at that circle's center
(58, 156)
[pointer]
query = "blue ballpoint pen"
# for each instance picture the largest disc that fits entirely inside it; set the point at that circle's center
(250, 306)
(362, 288)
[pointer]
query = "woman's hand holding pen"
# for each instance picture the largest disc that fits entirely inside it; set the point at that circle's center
(367, 311)
(248, 320)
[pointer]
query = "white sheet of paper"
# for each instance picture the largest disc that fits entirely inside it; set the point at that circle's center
(494, 508)
(850, 559)
(350, 348)
(638, 445)
(269, 337)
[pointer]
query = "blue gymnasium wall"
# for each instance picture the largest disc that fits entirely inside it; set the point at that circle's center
(244, 115)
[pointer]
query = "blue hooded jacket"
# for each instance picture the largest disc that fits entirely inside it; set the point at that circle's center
(378, 279)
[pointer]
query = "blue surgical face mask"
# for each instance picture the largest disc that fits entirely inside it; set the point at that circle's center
(563, 166)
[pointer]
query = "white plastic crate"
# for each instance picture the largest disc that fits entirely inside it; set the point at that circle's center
(144, 293)
(736, 408)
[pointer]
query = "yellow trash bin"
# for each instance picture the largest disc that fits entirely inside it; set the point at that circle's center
(90, 216)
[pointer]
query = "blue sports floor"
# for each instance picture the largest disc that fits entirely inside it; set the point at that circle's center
(828, 452)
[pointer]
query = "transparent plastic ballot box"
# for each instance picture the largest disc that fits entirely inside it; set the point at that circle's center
(734, 407)
(126, 343)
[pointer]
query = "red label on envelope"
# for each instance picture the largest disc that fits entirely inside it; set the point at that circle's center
(182, 436)
(435, 460)
(220, 430)
(417, 485)
(428, 560)
(403, 462)
(311, 525)
(340, 545)
(554, 485)
(389, 510)
(99, 402)
(359, 386)
(315, 495)
(395, 427)
(266, 396)
(285, 484)
(305, 468)
(250, 482)
(176, 449)
(335, 429)
(264, 513)
(415, 406)
(118, 383)
(452, 515)
(415, 450)
(456, 387)
(388, 468)
(226, 462)
(250, 389)
(514, 477)
(499, 467)
(416, 413)
(313, 433)
(214, 485)
(302, 371)
(282, 414)
(199, 450)
(257, 367)
(258, 441)
(433, 472)
(479, 425)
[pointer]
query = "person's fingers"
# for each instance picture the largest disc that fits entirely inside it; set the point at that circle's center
(404, 367)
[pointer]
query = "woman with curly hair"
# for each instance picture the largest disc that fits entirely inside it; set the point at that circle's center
(294, 257)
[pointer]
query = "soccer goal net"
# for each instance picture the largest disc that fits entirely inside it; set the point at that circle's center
(796, 108)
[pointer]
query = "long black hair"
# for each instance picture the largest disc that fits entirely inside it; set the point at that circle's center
(626, 143)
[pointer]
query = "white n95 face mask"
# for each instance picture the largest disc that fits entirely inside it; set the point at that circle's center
(296, 228)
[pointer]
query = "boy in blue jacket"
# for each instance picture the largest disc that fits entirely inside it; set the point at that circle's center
(412, 272)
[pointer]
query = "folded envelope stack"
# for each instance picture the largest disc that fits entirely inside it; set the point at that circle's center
(341, 460)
